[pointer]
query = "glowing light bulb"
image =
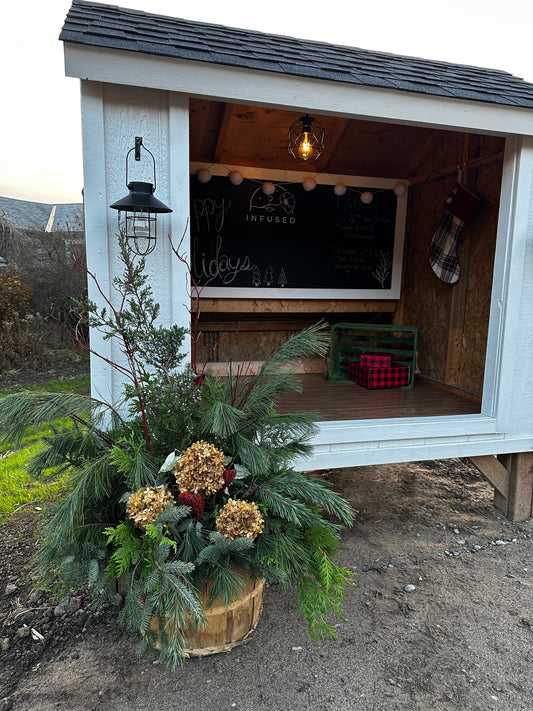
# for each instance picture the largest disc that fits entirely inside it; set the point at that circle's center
(306, 139)
(304, 149)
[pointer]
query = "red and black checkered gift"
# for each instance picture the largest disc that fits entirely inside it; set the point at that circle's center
(373, 377)
(381, 360)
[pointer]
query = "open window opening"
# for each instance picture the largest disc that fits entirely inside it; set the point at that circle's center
(452, 318)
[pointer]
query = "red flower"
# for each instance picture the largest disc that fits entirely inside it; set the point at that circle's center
(229, 475)
(195, 503)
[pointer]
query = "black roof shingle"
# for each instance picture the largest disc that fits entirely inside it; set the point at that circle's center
(34, 216)
(101, 25)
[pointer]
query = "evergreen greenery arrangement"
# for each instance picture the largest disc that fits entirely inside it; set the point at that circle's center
(188, 482)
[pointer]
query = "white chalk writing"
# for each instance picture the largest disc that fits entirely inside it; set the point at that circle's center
(221, 265)
(209, 214)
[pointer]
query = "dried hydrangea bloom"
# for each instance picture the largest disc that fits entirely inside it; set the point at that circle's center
(145, 505)
(200, 469)
(239, 519)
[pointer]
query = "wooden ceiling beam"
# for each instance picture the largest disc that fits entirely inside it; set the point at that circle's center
(332, 139)
(222, 133)
(448, 170)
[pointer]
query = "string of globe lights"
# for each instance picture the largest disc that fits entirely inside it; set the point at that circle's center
(308, 183)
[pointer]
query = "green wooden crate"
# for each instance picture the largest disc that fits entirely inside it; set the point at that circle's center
(350, 340)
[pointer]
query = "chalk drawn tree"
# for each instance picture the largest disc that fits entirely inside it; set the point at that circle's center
(383, 269)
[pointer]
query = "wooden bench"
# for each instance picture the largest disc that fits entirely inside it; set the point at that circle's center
(349, 340)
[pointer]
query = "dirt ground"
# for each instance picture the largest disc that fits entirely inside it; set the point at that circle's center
(461, 640)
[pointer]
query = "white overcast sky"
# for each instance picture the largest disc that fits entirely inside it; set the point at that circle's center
(40, 138)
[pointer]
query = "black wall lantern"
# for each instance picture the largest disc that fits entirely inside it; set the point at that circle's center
(306, 139)
(138, 211)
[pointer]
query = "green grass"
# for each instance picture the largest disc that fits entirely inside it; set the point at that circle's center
(55, 386)
(17, 489)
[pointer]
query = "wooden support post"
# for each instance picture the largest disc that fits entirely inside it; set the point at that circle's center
(512, 478)
(494, 471)
(520, 502)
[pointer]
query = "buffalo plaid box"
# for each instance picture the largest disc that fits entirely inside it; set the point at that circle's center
(372, 377)
(382, 360)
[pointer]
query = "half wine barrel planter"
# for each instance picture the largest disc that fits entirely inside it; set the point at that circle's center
(227, 626)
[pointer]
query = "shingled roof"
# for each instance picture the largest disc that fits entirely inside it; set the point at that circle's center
(113, 27)
(37, 216)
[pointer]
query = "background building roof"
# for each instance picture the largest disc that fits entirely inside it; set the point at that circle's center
(113, 27)
(38, 216)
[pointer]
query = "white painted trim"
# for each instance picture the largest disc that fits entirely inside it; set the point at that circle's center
(289, 92)
(406, 428)
(508, 281)
(296, 176)
(213, 292)
(96, 215)
(501, 279)
(387, 452)
(179, 199)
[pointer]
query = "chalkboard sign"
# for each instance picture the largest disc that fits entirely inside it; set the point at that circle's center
(291, 243)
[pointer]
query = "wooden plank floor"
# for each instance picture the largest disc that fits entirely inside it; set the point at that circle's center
(348, 401)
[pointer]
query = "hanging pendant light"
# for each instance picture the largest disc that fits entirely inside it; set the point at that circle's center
(306, 139)
(138, 210)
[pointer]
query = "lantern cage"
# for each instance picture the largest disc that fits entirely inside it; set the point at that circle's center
(138, 210)
(306, 139)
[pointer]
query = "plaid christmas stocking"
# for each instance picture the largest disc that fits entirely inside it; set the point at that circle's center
(461, 207)
(443, 249)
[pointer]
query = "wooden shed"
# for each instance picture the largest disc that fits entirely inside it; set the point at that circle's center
(402, 136)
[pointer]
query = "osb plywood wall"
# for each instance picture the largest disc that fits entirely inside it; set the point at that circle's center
(224, 346)
(453, 319)
(238, 338)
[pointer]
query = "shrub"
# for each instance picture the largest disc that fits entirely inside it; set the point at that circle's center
(44, 276)
(15, 295)
(34, 342)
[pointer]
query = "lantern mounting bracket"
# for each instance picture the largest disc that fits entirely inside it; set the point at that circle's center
(137, 148)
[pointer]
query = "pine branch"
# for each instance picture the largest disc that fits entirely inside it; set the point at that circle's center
(281, 551)
(292, 510)
(290, 485)
(19, 411)
(221, 419)
(274, 375)
(63, 451)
